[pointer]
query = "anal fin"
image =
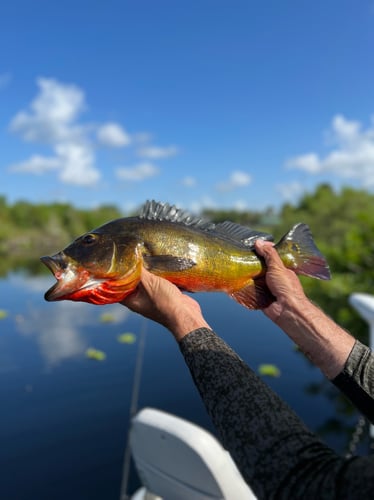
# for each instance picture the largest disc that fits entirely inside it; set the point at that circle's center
(255, 295)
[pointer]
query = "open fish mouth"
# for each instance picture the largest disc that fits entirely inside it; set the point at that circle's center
(75, 282)
(65, 275)
(55, 263)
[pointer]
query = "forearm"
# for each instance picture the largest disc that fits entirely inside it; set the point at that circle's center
(272, 448)
(356, 380)
(185, 321)
(325, 343)
(252, 422)
(345, 361)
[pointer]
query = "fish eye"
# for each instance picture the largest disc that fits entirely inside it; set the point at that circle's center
(89, 239)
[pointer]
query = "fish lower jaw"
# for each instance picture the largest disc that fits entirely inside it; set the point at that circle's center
(109, 292)
(78, 284)
(66, 289)
(99, 291)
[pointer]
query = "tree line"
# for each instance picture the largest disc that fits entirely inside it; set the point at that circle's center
(342, 223)
(29, 230)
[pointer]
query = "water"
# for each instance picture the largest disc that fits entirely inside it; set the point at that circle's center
(64, 418)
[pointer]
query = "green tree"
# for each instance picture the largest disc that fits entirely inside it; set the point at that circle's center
(343, 225)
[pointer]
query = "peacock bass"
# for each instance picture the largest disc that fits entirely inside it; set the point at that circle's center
(104, 265)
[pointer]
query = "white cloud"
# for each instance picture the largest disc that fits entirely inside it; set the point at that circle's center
(74, 162)
(236, 180)
(239, 179)
(308, 162)
(137, 173)
(290, 191)
(113, 135)
(197, 206)
(52, 119)
(189, 181)
(351, 156)
(240, 205)
(52, 114)
(142, 137)
(155, 152)
(37, 165)
(77, 159)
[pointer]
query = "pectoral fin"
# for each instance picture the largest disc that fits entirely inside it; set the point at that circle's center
(167, 263)
(255, 295)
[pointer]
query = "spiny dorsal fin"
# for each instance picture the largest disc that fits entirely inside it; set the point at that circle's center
(154, 210)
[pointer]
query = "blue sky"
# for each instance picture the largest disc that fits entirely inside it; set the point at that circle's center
(209, 103)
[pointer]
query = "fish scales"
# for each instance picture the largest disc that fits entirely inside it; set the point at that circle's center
(104, 265)
(215, 258)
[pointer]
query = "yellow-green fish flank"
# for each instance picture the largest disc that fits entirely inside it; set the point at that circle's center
(104, 265)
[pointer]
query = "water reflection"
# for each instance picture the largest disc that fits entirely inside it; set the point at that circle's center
(58, 328)
(63, 417)
(34, 284)
(57, 335)
(70, 414)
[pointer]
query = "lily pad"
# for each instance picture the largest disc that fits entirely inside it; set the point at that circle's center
(95, 354)
(107, 318)
(126, 338)
(269, 370)
(3, 314)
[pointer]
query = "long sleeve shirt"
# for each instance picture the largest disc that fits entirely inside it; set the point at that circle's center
(274, 451)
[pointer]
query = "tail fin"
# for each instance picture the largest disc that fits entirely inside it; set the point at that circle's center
(299, 252)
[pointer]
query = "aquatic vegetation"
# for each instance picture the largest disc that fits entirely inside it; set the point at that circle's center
(126, 338)
(107, 318)
(95, 354)
(269, 370)
(3, 314)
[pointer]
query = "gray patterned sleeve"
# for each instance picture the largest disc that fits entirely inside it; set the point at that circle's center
(276, 454)
(356, 381)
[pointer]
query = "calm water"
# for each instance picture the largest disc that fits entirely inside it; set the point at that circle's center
(64, 418)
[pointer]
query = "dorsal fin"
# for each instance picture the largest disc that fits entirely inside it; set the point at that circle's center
(154, 210)
(242, 234)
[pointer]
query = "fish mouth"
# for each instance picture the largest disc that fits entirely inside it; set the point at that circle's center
(65, 275)
(55, 263)
(76, 283)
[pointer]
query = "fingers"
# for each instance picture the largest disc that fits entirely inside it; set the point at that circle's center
(152, 292)
(144, 288)
(157, 287)
(148, 281)
(267, 250)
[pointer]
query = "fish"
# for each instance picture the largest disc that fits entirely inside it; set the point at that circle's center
(104, 266)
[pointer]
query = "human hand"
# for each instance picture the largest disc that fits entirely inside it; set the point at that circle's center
(161, 301)
(318, 336)
(282, 282)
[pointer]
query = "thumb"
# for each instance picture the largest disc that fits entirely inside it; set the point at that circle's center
(267, 250)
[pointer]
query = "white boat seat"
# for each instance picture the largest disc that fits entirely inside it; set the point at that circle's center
(178, 460)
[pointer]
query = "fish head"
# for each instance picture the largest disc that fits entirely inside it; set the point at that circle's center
(96, 268)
